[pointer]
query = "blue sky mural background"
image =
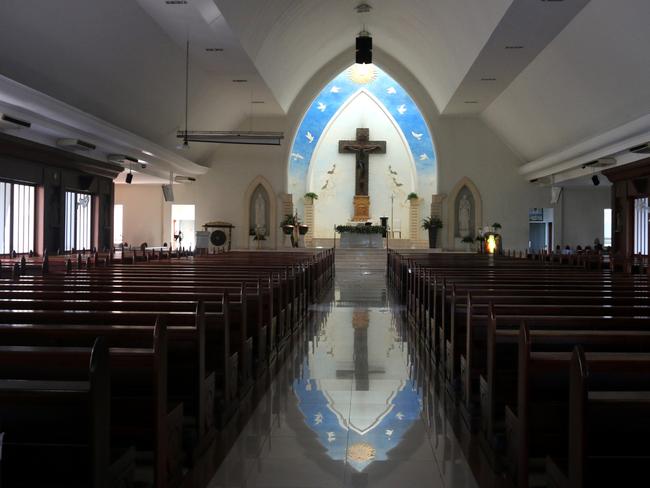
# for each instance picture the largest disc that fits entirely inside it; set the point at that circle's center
(397, 101)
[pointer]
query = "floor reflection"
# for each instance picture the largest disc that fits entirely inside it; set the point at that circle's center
(351, 407)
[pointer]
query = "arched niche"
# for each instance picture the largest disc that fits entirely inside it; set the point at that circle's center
(260, 187)
(464, 191)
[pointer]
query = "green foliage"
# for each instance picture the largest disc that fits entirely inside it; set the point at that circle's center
(412, 196)
(311, 195)
(467, 239)
(360, 229)
(289, 220)
(431, 223)
(496, 225)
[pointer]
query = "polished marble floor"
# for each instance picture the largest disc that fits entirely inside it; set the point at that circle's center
(350, 408)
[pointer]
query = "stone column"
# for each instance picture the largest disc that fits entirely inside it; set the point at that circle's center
(436, 205)
(414, 219)
(310, 220)
(286, 208)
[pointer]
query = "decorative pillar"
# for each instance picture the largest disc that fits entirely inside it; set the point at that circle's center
(414, 219)
(436, 205)
(287, 205)
(310, 221)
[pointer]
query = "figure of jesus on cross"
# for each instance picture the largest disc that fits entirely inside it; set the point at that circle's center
(362, 147)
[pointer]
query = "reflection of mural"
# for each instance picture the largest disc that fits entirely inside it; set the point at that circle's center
(369, 442)
(401, 107)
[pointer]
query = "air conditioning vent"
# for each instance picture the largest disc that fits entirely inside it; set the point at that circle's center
(184, 179)
(641, 149)
(9, 122)
(121, 159)
(76, 144)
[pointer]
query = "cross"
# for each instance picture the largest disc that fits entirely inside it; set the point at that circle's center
(362, 147)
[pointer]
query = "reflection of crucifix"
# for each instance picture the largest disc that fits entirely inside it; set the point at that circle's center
(362, 147)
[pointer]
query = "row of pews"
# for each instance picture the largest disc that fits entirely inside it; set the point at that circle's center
(127, 373)
(548, 363)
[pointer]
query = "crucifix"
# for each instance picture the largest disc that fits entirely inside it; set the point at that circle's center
(362, 147)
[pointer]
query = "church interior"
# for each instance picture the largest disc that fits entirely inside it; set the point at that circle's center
(353, 243)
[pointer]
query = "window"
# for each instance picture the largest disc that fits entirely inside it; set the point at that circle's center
(183, 225)
(641, 226)
(78, 220)
(607, 231)
(118, 224)
(17, 218)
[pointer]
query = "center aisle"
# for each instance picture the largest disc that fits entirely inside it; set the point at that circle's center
(349, 408)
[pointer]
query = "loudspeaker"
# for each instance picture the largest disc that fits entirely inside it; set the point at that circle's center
(129, 178)
(595, 180)
(85, 181)
(168, 193)
(556, 191)
(364, 50)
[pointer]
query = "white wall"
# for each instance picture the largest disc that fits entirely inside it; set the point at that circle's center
(143, 213)
(582, 215)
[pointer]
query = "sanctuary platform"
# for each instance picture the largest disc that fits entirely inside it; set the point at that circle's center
(355, 240)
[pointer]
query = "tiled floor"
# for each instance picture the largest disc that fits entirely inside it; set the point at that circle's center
(350, 409)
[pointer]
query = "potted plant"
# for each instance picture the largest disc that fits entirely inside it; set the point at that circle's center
(467, 240)
(287, 224)
(251, 237)
(431, 225)
(481, 243)
(311, 196)
(496, 227)
(412, 196)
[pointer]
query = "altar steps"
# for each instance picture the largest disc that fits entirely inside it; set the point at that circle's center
(360, 260)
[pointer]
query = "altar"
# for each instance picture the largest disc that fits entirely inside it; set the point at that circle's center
(361, 236)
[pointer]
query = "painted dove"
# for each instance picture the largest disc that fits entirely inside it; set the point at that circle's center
(416, 135)
(321, 106)
(310, 137)
(401, 109)
(391, 90)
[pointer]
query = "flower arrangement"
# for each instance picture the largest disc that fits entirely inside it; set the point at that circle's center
(360, 229)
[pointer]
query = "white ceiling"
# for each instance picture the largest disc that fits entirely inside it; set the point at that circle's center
(579, 88)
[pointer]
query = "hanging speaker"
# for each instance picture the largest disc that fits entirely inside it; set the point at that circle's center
(168, 193)
(364, 50)
(595, 180)
(129, 178)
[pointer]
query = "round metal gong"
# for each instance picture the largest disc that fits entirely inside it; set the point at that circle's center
(218, 238)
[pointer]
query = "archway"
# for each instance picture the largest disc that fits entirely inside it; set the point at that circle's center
(464, 190)
(362, 97)
(260, 187)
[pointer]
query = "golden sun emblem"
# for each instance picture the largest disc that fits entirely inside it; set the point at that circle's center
(361, 452)
(362, 73)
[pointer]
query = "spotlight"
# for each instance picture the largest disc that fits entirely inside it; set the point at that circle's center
(364, 48)
(595, 180)
(129, 178)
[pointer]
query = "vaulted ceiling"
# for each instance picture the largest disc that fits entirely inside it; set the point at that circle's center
(560, 81)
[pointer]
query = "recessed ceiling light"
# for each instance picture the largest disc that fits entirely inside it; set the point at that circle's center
(514, 47)
(488, 79)
(470, 101)
(240, 81)
(214, 49)
(147, 153)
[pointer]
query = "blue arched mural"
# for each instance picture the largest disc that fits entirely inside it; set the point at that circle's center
(397, 102)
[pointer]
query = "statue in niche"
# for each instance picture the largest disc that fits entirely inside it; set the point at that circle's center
(465, 214)
(259, 212)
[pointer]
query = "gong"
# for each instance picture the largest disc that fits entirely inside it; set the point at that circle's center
(218, 238)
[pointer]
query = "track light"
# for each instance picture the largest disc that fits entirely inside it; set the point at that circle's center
(595, 180)
(364, 48)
